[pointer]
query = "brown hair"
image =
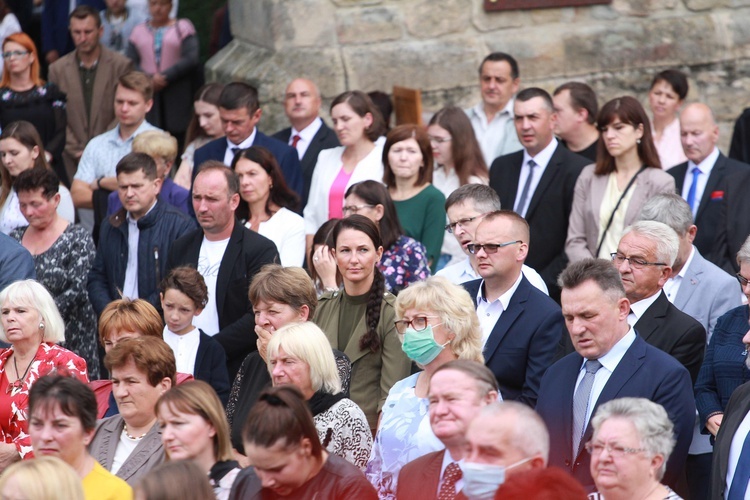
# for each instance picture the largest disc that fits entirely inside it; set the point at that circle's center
(279, 193)
(629, 111)
(467, 155)
(181, 479)
(209, 93)
(402, 133)
(25, 133)
(138, 82)
(284, 285)
(83, 11)
(362, 104)
(27, 43)
(136, 315)
(189, 281)
(150, 355)
(323, 236)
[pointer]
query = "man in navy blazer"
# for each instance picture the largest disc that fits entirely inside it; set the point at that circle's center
(521, 326)
(240, 112)
(595, 310)
(700, 133)
(309, 134)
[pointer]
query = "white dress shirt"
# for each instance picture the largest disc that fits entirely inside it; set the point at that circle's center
(184, 347)
(490, 312)
(542, 160)
(638, 308)
(229, 154)
(672, 286)
(305, 136)
(447, 460)
(496, 137)
(705, 167)
(735, 450)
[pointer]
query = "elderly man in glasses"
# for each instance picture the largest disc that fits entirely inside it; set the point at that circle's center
(521, 326)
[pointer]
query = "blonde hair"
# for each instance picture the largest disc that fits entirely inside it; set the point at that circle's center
(45, 478)
(32, 294)
(455, 308)
(307, 342)
(156, 144)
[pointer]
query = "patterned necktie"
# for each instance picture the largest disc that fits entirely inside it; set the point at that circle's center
(521, 205)
(581, 403)
(450, 478)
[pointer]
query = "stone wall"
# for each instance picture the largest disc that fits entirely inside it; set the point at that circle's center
(437, 46)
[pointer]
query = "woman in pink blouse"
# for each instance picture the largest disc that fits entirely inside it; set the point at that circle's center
(33, 326)
(167, 50)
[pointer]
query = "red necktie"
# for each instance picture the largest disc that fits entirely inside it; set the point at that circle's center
(450, 478)
(295, 140)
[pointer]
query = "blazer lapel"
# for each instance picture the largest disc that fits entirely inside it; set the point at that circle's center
(507, 319)
(514, 175)
(648, 323)
(431, 475)
(640, 190)
(550, 173)
(678, 173)
(717, 173)
(598, 187)
(690, 282)
(200, 354)
(231, 255)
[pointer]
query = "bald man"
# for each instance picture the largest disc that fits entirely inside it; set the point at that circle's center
(700, 180)
(309, 134)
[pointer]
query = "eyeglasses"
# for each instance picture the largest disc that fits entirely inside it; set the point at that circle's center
(353, 209)
(743, 281)
(462, 222)
(615, 451)
(14, 53)
(489, 248)
(633, 262)
(439, 140)
(419, 323)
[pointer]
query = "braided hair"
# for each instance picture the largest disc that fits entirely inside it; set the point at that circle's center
(370, 340)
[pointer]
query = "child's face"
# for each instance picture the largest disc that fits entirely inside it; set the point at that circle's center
(179, 311)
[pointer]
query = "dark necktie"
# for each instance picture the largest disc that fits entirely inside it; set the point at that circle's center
(450, 478)
(691, 194)
(526, 188)
(741, 473)
(295, 140)
(234, 151)
(581, 403)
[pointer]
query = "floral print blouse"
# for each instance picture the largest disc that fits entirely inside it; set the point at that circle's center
(404, 263)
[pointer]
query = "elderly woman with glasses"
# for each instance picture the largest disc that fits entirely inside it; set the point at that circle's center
(633, 438)
(437, 324)
(726, 364)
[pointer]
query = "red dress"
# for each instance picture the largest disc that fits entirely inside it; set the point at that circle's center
(49, 358)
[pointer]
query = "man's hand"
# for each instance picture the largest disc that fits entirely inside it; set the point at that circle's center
(159, 81)
(52, 56)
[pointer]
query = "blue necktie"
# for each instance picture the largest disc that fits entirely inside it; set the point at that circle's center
(693, 188)
(741, 473)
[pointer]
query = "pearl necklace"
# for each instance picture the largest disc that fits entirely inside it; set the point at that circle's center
(134, 438)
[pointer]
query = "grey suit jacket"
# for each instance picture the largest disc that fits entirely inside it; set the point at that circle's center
(707, 292)
(147, 454)
(583, 226)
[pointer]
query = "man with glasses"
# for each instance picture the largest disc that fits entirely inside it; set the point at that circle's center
(611, 361)
(644, 260)
(465, 208)
(521, 327)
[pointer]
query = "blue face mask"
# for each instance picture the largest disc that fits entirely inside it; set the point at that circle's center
(421, 347)
(481, 481)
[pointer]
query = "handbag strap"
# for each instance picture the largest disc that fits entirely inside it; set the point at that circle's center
(612, 215)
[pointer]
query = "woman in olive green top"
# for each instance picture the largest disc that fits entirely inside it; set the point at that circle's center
(360, 319)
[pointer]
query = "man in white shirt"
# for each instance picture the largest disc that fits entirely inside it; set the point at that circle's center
(521, 327)
(309, 134)
(492, 118)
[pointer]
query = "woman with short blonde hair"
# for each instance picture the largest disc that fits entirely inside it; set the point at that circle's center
(44, 478)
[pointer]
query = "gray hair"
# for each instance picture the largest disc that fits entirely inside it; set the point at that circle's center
(32, 294)
(530, 434)
(744, 253)
(651, 421)
(661, 235)
(669, 209)
(307, 342)
(484, 198)
(600, 271)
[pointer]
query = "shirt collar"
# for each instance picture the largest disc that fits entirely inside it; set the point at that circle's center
(192, 335)
(506, 111)
(447, 460)
(246, 143)
(133, 221)
(706, 165)
(685, 266)
(467, 270)
(504, 298)
(613, 357)
(307, 133)
(640, 307)
(543, 157)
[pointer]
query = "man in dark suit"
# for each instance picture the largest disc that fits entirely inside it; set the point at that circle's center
(538, 183)
(730, 469)
(699, 180)
(610, 362)
(227, 255)
(457, 392)
(309, 134)
(521, 326)
(240, 112)
(734, 224)
(644, 260)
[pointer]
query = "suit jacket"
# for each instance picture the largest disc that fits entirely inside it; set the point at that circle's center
(734, 224)
(65, 74)
(523, 342)
(247, 252)
(644, 372)
(667, 328)
(211, 366)
(420, 478)
(739, 405)
(707, 292)
(147, 454)
(583, 231)
(324, 138)
(549, 207)
(709, 210)
(284, 154)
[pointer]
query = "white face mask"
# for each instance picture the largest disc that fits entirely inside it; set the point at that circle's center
(481, 481)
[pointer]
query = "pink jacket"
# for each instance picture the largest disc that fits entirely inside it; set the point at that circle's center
(142, 38)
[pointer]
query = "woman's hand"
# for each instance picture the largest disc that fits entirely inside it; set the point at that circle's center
(264, 336)
(241, 459)
(159, 81)
(8, 455)
(325, 266)
(713, 423)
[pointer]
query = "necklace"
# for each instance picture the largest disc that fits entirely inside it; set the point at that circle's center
(18, 384)
(134, 438)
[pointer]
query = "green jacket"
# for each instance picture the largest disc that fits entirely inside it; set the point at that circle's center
(373, 373)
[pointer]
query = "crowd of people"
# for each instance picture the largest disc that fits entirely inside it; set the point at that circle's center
(531, 298)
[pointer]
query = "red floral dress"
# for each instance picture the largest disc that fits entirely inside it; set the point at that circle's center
(14, 402)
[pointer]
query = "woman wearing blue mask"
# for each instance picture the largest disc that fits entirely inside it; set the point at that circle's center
(437, 324)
